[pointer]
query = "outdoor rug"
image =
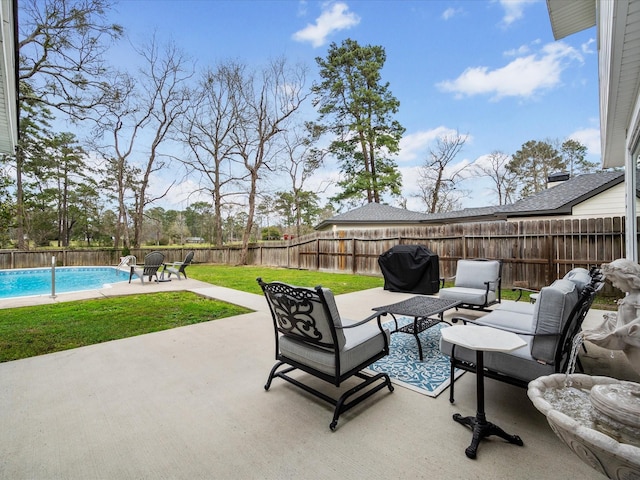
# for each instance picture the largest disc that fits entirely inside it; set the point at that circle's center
(429, 377)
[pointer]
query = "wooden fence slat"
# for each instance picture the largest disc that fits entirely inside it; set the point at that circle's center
(534, 252)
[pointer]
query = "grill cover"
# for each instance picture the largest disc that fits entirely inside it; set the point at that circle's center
(410, 269)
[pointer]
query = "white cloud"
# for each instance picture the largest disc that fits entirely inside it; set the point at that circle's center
(410, 179)
(334, 17)
(586, 46)
(451, 12)
(415, 145)
(523, 77)
(302, 8)
(514, 10)
(590, 138)
(516, 52)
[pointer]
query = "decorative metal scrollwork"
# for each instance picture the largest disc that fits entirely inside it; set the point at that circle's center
(294, 310)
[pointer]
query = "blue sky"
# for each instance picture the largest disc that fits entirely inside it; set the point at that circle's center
(489, 69)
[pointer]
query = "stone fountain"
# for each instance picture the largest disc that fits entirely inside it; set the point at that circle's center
(599, 417)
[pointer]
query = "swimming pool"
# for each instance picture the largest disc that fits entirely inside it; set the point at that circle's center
(37, 281)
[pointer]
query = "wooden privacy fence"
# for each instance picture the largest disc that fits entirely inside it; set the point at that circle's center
(534, 252)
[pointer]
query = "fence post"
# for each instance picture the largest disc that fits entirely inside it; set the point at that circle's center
(551, 275)
(354, 258)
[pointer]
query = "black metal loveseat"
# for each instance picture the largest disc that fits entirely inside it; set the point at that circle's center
(548, 326)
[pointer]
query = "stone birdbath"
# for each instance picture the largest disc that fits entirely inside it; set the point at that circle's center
(575, 420)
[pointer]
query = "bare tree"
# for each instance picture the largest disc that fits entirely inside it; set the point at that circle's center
(164, 81)
(61, 45)
(494, 166)
(303, 158)
(117, 152)
(139, 118)
(438, 178)
(207, 130)
(266, 104)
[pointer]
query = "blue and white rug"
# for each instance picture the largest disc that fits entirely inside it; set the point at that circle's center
(429, 377)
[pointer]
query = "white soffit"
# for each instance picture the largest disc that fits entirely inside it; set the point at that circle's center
(571, 16)
(619, 60)
(8, 92)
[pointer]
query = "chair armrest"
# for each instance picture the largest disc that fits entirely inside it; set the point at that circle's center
(444, 279)
(377, 315)
(520, 290)
(515, 330)
(362, 322)
(495, 282)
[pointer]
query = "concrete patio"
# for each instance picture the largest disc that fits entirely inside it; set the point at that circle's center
(189, 403)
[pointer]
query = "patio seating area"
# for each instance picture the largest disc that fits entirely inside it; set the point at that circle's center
(190, 403)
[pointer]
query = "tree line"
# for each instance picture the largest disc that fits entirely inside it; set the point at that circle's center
(229, 130)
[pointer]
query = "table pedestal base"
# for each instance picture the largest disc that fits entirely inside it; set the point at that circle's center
(481, 429)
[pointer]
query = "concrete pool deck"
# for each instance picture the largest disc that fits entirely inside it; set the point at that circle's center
(189, 403)
(136, 286)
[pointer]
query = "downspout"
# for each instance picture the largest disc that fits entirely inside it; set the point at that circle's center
(632, 150)
(630, 182)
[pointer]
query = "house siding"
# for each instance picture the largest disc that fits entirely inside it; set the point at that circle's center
(341, 227)
(609, 203)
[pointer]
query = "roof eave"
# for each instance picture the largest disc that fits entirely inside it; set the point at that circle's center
(328, 223)
(571, 16)
(564, 210)
(8, 78)
(448, 220)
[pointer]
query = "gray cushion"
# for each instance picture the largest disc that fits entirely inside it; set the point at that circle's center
(517, 363)
(548, 316)
(551, 312)
(507, 320)
(471, 296)
(362, 343)
(579, 276)
(337, 321)
(517, 307)
(473, 273)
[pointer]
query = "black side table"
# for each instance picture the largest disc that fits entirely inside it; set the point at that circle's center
(481, 339)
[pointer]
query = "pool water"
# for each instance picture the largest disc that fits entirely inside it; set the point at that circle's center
(37, 281)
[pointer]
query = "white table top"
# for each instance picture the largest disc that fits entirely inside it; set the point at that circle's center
(487, 339)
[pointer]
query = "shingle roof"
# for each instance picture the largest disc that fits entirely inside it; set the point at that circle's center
(562, 197)
(466, 213)
(557, 200)
(375, 213)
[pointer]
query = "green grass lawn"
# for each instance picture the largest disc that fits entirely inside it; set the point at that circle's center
(37, 330)
(244, 278)
(30, 331)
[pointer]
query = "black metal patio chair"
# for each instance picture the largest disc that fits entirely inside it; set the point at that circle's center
(310, 336)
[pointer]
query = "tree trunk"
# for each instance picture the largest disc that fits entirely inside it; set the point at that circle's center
(20, 200)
